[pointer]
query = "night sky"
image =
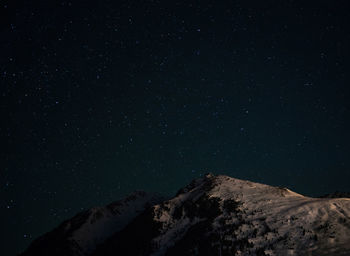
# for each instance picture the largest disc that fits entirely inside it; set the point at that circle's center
(102, 98)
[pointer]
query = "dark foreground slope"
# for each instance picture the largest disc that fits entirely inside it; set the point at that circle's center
(81, 234)
(214, 215)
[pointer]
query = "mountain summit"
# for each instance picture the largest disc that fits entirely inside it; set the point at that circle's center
(213, 215)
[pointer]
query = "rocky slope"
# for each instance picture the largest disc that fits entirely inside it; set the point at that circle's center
(214, 215)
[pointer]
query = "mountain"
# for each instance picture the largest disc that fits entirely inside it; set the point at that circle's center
(81, 234)
(337, 194)
(213, 215)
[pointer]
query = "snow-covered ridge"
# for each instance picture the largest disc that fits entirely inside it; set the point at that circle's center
(81, 234)
(260, 218)
(213, 215)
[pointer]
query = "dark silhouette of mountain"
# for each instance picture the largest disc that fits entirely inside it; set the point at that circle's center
(337, 194)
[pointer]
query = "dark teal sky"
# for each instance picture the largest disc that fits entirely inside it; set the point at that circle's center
(102, 98)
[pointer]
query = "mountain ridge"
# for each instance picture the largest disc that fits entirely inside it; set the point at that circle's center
(216, 215)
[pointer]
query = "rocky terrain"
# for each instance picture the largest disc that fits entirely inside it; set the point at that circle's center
(213, 215)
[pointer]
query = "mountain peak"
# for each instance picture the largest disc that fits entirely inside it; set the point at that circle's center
(213, 215)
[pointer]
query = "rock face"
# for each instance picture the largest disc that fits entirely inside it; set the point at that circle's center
(213, 215)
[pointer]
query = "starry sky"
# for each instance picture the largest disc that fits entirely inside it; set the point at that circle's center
(101, 98)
